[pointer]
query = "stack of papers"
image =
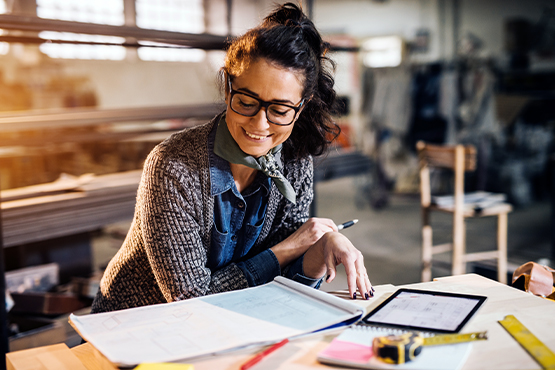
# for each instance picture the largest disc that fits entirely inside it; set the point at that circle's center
(474, 200)
(200, 326)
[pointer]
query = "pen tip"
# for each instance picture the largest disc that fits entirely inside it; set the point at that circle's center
(355, 221)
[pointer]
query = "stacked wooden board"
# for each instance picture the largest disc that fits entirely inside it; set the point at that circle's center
(68, 206)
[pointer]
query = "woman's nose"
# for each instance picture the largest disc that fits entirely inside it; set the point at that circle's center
(261, 119)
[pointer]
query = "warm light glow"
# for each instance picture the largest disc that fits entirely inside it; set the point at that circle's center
(4, 48)
(171, 55)
(100, 11)
(386, 51)
(69, 51)
(52, 35)
(2, 6)
(171, 15)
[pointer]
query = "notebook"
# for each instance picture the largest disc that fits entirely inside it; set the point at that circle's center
(426, 312)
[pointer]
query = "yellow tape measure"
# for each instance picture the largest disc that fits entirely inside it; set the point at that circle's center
(539, 351)
(398, 349)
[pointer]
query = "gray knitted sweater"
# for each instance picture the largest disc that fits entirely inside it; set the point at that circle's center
(164, 255)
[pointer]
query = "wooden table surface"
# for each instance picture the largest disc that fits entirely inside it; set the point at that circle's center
(500, 351)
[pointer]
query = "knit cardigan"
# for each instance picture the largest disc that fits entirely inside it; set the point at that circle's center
(164, 255)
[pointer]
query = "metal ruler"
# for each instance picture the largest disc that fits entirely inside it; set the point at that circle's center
(539, 351)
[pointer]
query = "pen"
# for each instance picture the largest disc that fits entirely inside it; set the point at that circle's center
(347, 224)
(256, 359)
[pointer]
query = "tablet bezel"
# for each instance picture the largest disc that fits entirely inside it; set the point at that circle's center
(480, 301)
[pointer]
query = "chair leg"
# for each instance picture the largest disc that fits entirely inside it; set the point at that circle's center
(426, 253)
(459, 265)
(502, 228)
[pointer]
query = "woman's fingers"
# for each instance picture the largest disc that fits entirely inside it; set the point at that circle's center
(329, 260)
(363, 282)
(351, 279)
(339, 250)
(332, 250)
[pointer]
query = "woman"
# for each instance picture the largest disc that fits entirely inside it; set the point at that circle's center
(224, 205)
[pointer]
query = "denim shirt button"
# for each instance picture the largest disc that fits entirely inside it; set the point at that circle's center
(240, 204)
(234, 237)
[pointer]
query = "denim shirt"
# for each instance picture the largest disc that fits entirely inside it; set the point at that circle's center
(238, 219)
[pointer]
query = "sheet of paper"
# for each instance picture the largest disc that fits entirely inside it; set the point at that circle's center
(277, 305)
(195, 327)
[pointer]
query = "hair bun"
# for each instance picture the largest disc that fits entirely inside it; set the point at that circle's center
(288, 14)
(291, 15)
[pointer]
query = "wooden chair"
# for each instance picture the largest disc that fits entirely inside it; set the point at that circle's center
(458, 158)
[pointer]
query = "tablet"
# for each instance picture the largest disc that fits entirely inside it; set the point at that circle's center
(425, 310)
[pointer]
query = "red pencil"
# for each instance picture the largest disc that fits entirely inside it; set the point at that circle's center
(256, 359)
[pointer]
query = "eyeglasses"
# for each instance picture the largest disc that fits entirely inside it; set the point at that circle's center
(249, 106)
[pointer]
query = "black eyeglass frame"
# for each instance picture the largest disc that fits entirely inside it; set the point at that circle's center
(263, 104)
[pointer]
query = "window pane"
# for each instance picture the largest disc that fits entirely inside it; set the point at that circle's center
(98, 11)
(171, 15)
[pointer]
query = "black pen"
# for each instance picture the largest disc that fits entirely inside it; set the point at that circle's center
(346, 224)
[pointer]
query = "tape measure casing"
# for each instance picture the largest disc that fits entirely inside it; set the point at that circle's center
(397, 349)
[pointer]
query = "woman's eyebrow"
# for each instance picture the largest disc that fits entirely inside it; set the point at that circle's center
(281, 101)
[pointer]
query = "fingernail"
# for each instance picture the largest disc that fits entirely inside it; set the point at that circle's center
(327, 277)
(354, 295)
(366, 296)
(372, 293)
(373, 290)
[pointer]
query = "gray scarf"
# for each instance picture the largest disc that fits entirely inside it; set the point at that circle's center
(226, 147)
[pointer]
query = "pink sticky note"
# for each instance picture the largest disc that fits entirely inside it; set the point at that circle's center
(348, 351)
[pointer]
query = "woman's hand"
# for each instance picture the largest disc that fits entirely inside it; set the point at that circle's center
(298, 243)
(333, 249)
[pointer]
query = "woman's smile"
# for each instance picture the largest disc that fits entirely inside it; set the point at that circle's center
(254, 136)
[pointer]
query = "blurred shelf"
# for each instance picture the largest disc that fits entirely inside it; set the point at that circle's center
(67, 207)
(20, 121)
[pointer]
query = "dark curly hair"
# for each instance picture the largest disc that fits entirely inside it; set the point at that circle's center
(289, 39)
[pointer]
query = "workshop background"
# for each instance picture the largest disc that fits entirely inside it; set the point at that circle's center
(88, 88)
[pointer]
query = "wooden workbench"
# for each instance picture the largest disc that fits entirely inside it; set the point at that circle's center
(499, 352)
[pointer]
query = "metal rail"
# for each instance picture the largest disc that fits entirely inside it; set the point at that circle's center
(36, 24)
(87, 116)
(164, 38)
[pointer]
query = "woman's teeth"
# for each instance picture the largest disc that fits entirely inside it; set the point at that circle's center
(255, 136)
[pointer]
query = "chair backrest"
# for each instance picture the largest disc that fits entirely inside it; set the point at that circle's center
(444, 156)
(459, 158)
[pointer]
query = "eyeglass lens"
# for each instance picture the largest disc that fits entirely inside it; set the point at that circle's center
(248, 106)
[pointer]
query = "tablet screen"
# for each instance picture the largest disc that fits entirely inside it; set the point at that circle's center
(413, 309)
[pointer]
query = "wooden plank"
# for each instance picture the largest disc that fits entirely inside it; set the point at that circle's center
(92, 358)
(54, 357)
(92, 204)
